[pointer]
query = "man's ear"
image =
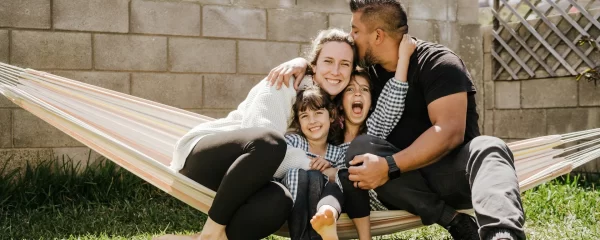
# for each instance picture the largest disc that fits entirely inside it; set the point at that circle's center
(379, 36)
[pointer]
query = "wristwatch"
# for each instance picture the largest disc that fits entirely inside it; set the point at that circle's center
(393, 170)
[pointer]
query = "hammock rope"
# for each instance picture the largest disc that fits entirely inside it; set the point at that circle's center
(140, 136)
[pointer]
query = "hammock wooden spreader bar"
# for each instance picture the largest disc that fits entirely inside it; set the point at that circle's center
(140, 136)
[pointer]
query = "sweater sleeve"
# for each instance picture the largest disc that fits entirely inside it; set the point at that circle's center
(388, 110)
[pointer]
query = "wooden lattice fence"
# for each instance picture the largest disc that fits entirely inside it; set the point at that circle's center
(545, 38)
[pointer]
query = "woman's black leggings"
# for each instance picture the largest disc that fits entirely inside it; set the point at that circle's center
(239, 165)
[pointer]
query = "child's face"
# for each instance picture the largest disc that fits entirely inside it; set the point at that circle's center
(334, 67)
(357, 100)
(315, 124)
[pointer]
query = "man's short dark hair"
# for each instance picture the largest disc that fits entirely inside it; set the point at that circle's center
(388, 15)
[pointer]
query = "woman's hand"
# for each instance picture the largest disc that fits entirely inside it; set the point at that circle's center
(282, 73)
(319, 163)
(406, 49)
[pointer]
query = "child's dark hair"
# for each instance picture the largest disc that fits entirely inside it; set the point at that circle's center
(314, 98)
(338, 137)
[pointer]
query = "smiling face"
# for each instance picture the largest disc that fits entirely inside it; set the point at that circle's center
(357, 100)
(333, 67)
(315, 124)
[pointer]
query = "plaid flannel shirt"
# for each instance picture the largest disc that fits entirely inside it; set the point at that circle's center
(387, 113)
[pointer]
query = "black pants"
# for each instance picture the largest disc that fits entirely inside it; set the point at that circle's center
(313, 191)
(478, 175)
(239, 166)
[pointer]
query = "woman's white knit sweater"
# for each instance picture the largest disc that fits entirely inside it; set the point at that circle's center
(265, 106)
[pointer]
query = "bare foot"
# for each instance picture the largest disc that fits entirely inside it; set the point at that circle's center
(324, 222)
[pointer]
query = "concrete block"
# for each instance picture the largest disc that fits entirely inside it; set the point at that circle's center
(5, 103)
(489, 95)
(54, 50)
(449, 35)
(428, 10)
(79, 156)
(507, 94)
(178, 90)
(116, 81)
(5, 128)
(234, 22)
(202, 55)
(341, 21)
(221, 2)
(121, 52)
(227, 91)
(488, 68)
(172, 18)
(470, 51)
(551, 92)
(213, 113)
(520, 123)
(305, 49)
(589, 94)
(4, 46)
(467, 14)
(486, 32)
(18, 158)
(261, 57)
(452, 10)
(336, 6)
(31, 131)
(265, 3)
(423, 29)
(568, 120)
(88, 15)
(25, 13)
(488, 123)
(294, 25)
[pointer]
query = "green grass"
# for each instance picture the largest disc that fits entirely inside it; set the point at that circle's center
(54, 200)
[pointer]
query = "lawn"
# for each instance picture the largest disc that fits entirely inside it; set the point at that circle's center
(55, 201)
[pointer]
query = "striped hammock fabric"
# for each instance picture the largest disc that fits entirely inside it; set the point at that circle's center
(140, 136)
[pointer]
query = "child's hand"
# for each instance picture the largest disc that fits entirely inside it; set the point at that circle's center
(330, 173)
(407, 47)
(319, 163)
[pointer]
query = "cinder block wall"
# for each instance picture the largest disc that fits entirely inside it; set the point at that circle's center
(521, 109)
(199, 55)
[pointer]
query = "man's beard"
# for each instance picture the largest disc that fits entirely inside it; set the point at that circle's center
(369, 59)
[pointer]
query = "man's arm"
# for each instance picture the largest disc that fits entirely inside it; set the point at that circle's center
(448, 116)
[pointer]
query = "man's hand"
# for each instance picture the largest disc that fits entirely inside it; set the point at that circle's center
(371, 174)
(282, 73)
(319, 163)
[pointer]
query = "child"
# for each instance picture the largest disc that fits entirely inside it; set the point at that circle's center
(380, 123)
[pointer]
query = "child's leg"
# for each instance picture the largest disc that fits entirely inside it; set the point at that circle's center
(363, 227)
(357, 205)
(329, 209)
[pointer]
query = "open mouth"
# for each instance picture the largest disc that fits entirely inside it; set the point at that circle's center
(333, 81)
(357, 107)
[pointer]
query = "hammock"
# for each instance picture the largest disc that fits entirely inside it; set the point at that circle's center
(140, 136)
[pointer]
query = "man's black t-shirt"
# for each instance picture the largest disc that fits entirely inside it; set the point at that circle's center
(434, 72)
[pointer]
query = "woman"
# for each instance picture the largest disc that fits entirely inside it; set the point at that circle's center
(238, 156)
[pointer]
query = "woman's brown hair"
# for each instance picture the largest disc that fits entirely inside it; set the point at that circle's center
(325, 36)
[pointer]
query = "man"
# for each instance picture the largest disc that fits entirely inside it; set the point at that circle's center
(435, 160)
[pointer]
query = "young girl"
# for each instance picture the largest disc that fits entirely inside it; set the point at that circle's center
(356, 103)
